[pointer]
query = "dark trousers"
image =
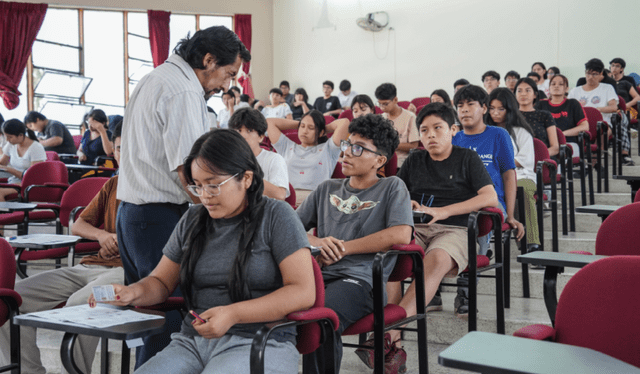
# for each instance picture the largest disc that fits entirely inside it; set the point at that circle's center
(351, 299)
(143, 231)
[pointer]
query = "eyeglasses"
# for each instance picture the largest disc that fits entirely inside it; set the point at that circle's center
(356, 149)
(211, 189)
(593, 74)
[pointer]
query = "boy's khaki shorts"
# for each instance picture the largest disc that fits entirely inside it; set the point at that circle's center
(451, 239)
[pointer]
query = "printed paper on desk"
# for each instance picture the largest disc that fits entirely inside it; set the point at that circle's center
(43, 239)
(103, 315)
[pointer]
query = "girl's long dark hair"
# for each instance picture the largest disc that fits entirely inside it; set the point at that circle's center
(319, 123)
(514, 117)
(213, 151)
(15, 127)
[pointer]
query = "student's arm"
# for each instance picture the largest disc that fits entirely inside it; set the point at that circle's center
(53, 141)
(406, 147)
(4, 160)
(15, 172)
(487, 197)
(510, 188)
(612, 107)
(273, 191)
(305, 108)
(634, 97)
(340, 129)
(276, 125)
(554, 145)
(289, 116)
(582, 124)
(80, 154)
(107, 146)
(575, 131)
(108, 241)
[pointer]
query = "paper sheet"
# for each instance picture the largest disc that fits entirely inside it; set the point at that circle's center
(100, 317)
(43, 239)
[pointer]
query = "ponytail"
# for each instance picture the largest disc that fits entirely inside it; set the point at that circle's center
(32, 135)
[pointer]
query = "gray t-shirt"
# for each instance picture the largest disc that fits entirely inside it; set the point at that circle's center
(279, 234)
(346, 213)
(308, 166)
(56, 128)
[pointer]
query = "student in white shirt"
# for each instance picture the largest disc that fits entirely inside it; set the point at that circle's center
(346, 95)
(226, 112)
(21, 151)
(541, 70)
(278, 108)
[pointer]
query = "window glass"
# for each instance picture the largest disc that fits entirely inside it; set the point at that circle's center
(60, 26)
(208, 21)
(56, 57)
(137, 23)
(180, 25)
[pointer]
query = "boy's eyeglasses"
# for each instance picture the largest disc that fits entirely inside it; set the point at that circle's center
(211, 189)
(356, 149)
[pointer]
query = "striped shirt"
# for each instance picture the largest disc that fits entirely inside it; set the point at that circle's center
(166, 114)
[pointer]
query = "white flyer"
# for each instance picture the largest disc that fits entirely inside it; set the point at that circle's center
(103, 315)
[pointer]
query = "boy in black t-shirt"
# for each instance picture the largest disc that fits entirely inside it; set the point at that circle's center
(327, 104)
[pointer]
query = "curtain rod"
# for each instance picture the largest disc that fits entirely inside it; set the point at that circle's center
(88, 7)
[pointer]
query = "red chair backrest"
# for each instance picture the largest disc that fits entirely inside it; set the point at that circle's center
(7, 275)
(79, 194)
(292, 134)
(292, 197)
(328, 119)
(597, 309)
(337, 172)
(622, 105)
(311, 332)
(637, 198)
(593, 116)
(420, 101)
(77, 139)
(618, 235)
(52, 156)
(542, 153)
(378, 110)
(404, 104)
(391, 168)
(41, 173)
(418, 109)
(348, 114)
(562, 140)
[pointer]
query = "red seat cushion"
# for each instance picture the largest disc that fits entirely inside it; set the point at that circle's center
(594, 147)
(28, 255)
(537, 332)
(17, 217)
(392, 313)
(482, 260)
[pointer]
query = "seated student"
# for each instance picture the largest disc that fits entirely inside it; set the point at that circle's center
(543, 81)
(346, 95)
(314, 160)
(258, 104)
(440, 96)
(459, 184)
(237, 96)
(535, 77)
(286, 94)
(226, 112)
(541, 121)
(567, 113)
(356, 218)
(21, 151)
(361, 105)
(503, 112)
(491, 80)
(459, 84)
(327, 104)
(236, 263)
(96, 141)
(550, 73)
(3, 140)
(403, 120)
(53, 135)
(510, 80)
(46, 290)
(300, 105)
(278, 108)
(252, 126)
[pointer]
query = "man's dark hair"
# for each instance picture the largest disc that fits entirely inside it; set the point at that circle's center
(345, 85)
(284, 83)
(460, 82)
(117, 130)
(512, 73)
(470, 93)
(491, 73)
(443, 111)
(595, 64)
(328, 83)
(219, 41)
(363, 99)
(303, 92)
(379, 130)
(245, 98)
(533, 74)
(276, 91)
(33, 117)
(386, 91)
(250, 118)
(618, 60)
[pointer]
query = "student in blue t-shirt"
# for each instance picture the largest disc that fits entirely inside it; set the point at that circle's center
(494, 147)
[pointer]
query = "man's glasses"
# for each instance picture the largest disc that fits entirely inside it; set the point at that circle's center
(211, 189)
(356, 149)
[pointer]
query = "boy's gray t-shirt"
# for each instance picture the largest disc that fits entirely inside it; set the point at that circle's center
(56, 128)
(308, 166)
(346, 213)
(278, 235)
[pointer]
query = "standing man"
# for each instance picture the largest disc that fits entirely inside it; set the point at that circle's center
(166, 114)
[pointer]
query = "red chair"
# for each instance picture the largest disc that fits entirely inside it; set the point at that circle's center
(378, 110)
(347, 113)
(420, 102)
(637, 197)
(292, 197)
(565, 156)
(292, 134)
(52, 156)
(404, 104)
(419, 108)
(391, 168)
(11, 301)
(616, 139)
(77, 139)
(337, 172)
(328, 119)
(597, 127)
(314, 326)
(595, 310)
(546, 174)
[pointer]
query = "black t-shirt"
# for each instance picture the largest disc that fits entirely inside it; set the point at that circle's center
(567, 114)
(451, 181)
(608, 80)
(623, 89)
(298, 111)
(540, 120)
(327, 105)
(627, 78)
(55, 128)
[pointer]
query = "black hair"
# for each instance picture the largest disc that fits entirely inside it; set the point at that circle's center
(303, 92)
(222, 43)
(284, 83)
(554, 69)
(318, 122)
(441, 110)
(543, 68)
(514, 117)
(245, 98)
(276, 90)
(460, 82)
(250, 118)
(363, 99)
(470, 93)
(345, 85)
(328, 83)
(212, 151)
(229, 92)
(533, 74)
(564, 79)
(379, 130)
(443, 94)
(98, 115)
(595, 64)
(15, 127)
(386, 91)
(512, 73)
(620, 61)
(117, 130)
(33, 117)
(531, 83)
(1, 120)
(235, 89)
(491, 73)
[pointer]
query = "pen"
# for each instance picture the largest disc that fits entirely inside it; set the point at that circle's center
(13, 238)
(430, 201)
(197, 316)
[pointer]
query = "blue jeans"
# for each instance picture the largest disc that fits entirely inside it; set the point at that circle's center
(143, 231)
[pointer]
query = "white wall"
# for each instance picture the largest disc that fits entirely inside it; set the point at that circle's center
(435, 42)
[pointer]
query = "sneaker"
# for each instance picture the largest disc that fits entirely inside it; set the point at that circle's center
(627, 161)
(395, 361)
(367, 354)
(435, 304)
(461, 305)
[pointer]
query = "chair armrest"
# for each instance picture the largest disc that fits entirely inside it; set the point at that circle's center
(9, 185)
(72, 216)
(61, 186)
(315, 314)
(67, 155)
(64, 186)
(10, 294)
(51, 206)
(102, 159)
(537, 332)
(408, 248)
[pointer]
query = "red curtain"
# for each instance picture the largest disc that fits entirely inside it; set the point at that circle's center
(159, 35)
(19, 26)
(242, 27)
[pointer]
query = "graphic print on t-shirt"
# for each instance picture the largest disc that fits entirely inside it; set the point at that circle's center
(328, 105)
(351, 205)
(594, 100)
